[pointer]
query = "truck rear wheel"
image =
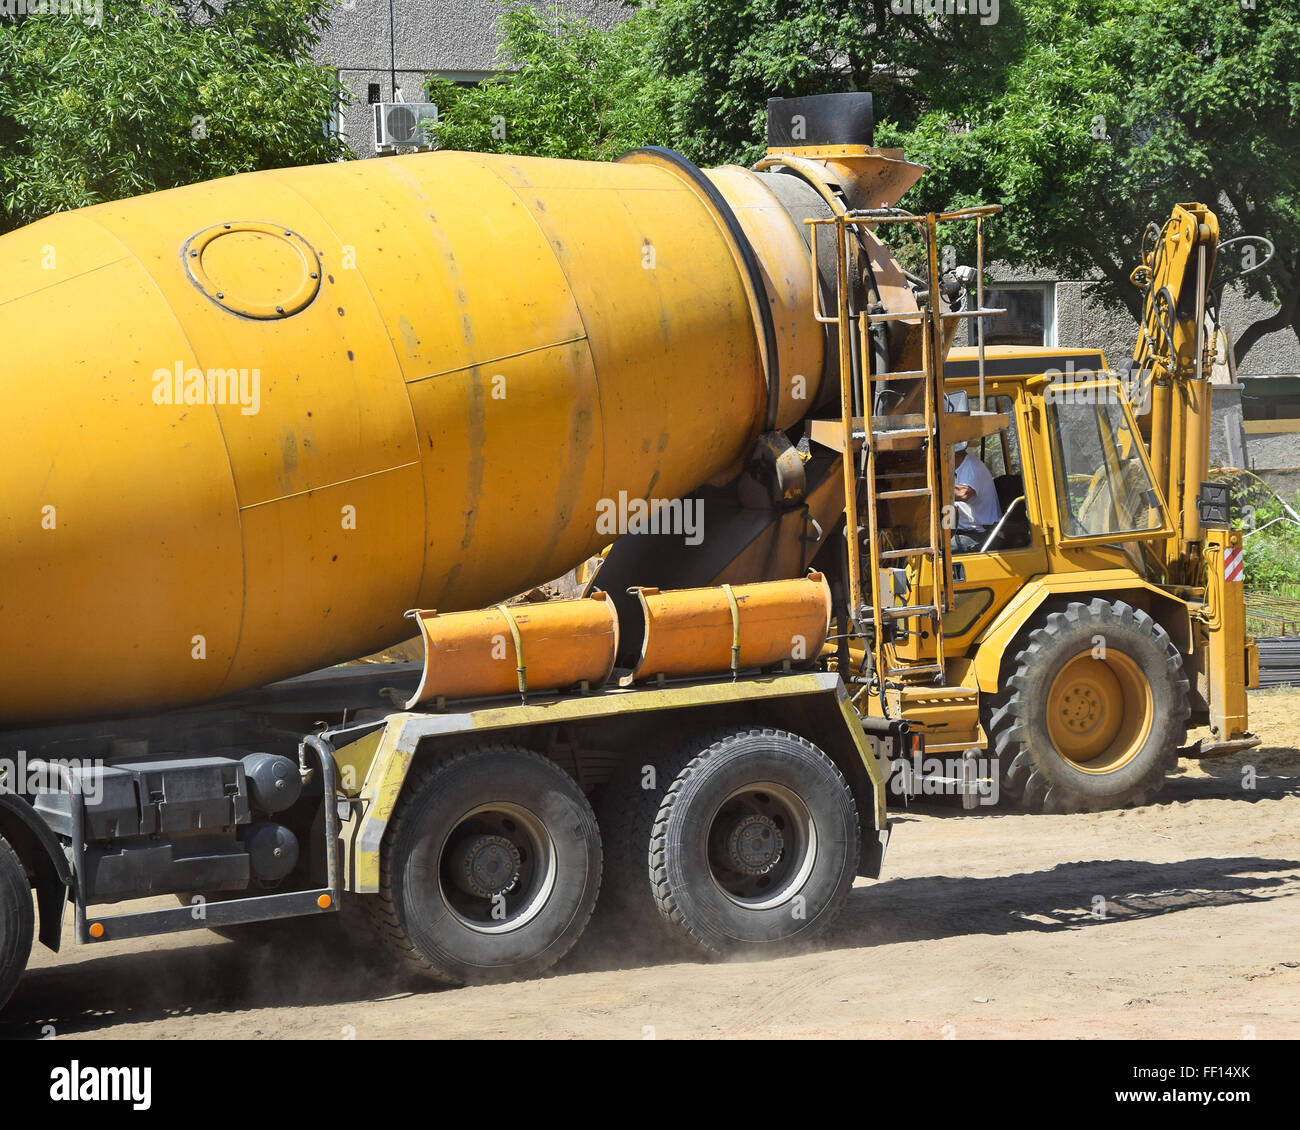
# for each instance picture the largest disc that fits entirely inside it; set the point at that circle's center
(1095, 711)
(490, 867)
(753, 843)
(627, 808)
(17, 921)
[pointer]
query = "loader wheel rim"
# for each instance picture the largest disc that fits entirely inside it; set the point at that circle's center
(762, 845)
(497, 868)
(1099, 711)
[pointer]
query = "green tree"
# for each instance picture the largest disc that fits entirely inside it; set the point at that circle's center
(569, 90)
(157, 95)
(1106, 114)
(1085, 118)
(727, 57)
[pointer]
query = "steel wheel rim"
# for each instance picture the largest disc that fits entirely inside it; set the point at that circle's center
(736, 846)
(474, 836)
(1099, 712)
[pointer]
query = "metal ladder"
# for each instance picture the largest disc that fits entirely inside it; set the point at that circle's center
(921, 433)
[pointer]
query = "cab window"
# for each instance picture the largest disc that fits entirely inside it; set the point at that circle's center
(1101, 480)
(1000, 453)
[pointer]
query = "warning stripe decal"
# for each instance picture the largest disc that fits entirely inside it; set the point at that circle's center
(1234, 564)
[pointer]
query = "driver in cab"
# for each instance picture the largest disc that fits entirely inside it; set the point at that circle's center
(975, 499)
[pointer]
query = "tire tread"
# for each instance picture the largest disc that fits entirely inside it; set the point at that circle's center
(662, 892)
(1022, 779)
(381, 909)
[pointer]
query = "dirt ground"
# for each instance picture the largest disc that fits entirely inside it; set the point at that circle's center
(1178, 919)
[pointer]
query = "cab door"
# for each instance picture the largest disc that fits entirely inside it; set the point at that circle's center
(983, 582)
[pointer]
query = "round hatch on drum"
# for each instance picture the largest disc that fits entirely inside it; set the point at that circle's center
(252, 268)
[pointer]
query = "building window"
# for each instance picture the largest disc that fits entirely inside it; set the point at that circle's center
(467, 79)
(1028, 319)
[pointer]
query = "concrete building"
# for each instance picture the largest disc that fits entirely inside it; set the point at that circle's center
(382, 46)
(1256, 418)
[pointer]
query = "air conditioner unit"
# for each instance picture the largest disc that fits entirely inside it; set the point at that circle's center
(400, 123)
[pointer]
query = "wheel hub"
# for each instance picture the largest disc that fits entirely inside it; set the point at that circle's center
(1081, 708)
(1099, 712)
(754, 844)
(485, 865)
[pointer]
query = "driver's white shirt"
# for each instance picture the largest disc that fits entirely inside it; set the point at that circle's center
(984, 509)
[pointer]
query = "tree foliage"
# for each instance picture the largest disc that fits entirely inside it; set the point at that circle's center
(156, 95)
(727, 57)
(1108, 113)
(569, 90)
(1085, 118)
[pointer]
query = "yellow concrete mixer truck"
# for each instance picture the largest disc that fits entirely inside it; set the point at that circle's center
(270, 424)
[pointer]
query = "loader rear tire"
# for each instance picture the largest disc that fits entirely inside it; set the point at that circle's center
(1094, 712)
(489, 869)
(755, 843)
(17, 921)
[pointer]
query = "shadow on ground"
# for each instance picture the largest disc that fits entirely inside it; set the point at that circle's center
(1225, 782)
(83, 993)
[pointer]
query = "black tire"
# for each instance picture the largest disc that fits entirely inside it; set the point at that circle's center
(17, 921)
(450, 934)
(1128, 768)
(627, 808)
(754, 844)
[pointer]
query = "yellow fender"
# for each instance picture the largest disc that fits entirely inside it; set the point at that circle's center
(994, 642)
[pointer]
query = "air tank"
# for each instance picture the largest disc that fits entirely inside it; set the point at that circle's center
(252, 422)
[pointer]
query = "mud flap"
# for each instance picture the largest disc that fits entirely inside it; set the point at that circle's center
(873, 854)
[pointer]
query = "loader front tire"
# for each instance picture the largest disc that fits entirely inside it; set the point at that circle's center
(489, 869)
(1094, 711)
(17, 921)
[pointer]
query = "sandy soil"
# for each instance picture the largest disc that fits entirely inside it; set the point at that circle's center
(1178, 919)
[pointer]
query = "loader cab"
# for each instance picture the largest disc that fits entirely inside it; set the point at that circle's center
(1103, 486)
(1068, 467)
(1008, 452)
